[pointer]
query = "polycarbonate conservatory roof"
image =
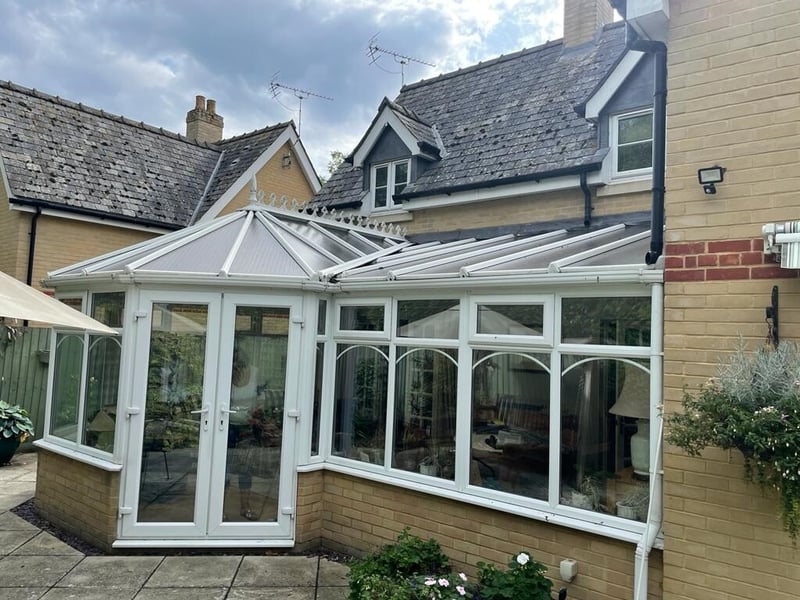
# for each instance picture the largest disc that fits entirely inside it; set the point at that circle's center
(257, 243)
(290, 245)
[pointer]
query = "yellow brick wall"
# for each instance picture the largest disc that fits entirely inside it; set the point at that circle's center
(62, 242)
(527, 209)
(78, 498)
(275, 178)
(359, 516)
(14, 228)
(734, 100)
(308, 531)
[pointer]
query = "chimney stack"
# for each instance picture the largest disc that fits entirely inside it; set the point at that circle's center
(583, 18)
(203, 124)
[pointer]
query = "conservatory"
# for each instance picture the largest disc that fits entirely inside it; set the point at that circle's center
(272, 357)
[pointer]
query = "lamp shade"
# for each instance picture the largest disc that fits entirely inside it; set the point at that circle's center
(634, 400)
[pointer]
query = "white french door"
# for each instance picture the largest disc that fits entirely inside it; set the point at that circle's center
(213, 418)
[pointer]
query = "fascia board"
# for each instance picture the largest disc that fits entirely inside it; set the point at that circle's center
(605, 92)
(244, 178)
(493, 193)
(106, 222)
(387, 118)
(4, 180)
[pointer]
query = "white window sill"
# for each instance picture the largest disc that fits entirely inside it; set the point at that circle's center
(626, 185)
(105, 465)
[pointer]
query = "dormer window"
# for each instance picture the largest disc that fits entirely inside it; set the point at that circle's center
(388, 180)
(632, 143)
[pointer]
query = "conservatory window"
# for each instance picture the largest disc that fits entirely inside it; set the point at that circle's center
(503, 320)
(365, 318)
(617, 321)
(605, 435)
(510, 444)
(360, 402)
(86, 379)
(322, 321)
(425, 411)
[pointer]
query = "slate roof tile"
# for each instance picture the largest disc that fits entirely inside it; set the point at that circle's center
(65, 154)
(512, 117)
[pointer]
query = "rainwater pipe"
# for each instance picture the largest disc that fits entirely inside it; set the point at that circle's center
(655, 505)
(659, 52)
(587, 200)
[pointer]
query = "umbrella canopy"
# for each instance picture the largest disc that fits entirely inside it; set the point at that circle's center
(20, 301)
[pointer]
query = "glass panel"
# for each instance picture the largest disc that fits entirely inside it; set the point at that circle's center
(361, 318)
(321, 317)
(76, 303)
(425, 411)
(67, 371)
(102, 390)
(635, 129)
(428, 319)
(510, 422)
(380, 197)
(605, 436)
(359, 420)
(607, 321)
(109, 308)
(400, 177)
(635, 156)
(511, 319)
(315, 416)
(381, 176)
(255, 431)
(171, 431)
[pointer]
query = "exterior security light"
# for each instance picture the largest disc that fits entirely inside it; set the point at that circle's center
(710, 176)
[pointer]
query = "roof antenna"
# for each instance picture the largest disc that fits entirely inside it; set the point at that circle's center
(375, 52)
(275, 88)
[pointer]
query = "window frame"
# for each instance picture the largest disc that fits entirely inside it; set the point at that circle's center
(613, 143)
(391, 183)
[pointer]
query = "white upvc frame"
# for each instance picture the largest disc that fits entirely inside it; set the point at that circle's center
(613, 144)
(357, 334)
(391, 183)
(544, 300)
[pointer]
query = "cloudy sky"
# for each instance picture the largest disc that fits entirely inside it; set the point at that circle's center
(147, 59)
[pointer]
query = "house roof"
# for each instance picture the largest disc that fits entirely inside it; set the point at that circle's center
(68, 156)
(506, 120)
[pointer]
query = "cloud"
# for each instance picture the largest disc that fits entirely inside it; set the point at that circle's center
(147, 59)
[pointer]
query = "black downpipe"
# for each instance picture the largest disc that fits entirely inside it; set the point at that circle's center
(32, 245)
(659, 52)
(587, 201)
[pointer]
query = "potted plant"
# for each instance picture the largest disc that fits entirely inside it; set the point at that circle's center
(633, 503)
(751, 406)
(15, 427)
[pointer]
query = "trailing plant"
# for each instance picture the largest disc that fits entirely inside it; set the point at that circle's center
(398, 563)
(752, 406)
(524, 578)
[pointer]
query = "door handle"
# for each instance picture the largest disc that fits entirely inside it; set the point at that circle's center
(222, 412)
(203, 411)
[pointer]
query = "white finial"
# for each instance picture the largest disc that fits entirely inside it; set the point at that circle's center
(253, 199)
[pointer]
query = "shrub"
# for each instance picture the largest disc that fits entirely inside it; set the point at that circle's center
(523, 579)
(396, 564)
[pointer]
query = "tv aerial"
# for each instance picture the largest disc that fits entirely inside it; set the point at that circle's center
(276, 87)
(375, 52)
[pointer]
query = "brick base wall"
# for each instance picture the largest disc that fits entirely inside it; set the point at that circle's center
(78, 498)
(359, 516)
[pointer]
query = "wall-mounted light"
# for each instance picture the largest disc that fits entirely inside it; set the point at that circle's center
(710, 176)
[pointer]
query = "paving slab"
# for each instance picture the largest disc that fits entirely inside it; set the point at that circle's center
(277, 571)
(22, 593)
(332, 574)
(11, 540)
(78, 593)
(195, 572)
(111, 572)
(271, 593)
(182, 594)
(11, 522)
(333, 593)
(45, 544)
(35, 571)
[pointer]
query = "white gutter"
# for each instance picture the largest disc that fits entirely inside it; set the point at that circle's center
(655, 509)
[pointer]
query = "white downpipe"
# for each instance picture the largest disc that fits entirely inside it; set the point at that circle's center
(655, 507)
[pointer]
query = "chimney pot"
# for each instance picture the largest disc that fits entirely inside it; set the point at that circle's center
(211, 106)
(200, 102)
(203, 124)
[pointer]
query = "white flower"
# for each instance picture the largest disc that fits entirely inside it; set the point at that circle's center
(523, 558)
(430, 581)
(460, 589)
(443, 582)
(463, 577)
